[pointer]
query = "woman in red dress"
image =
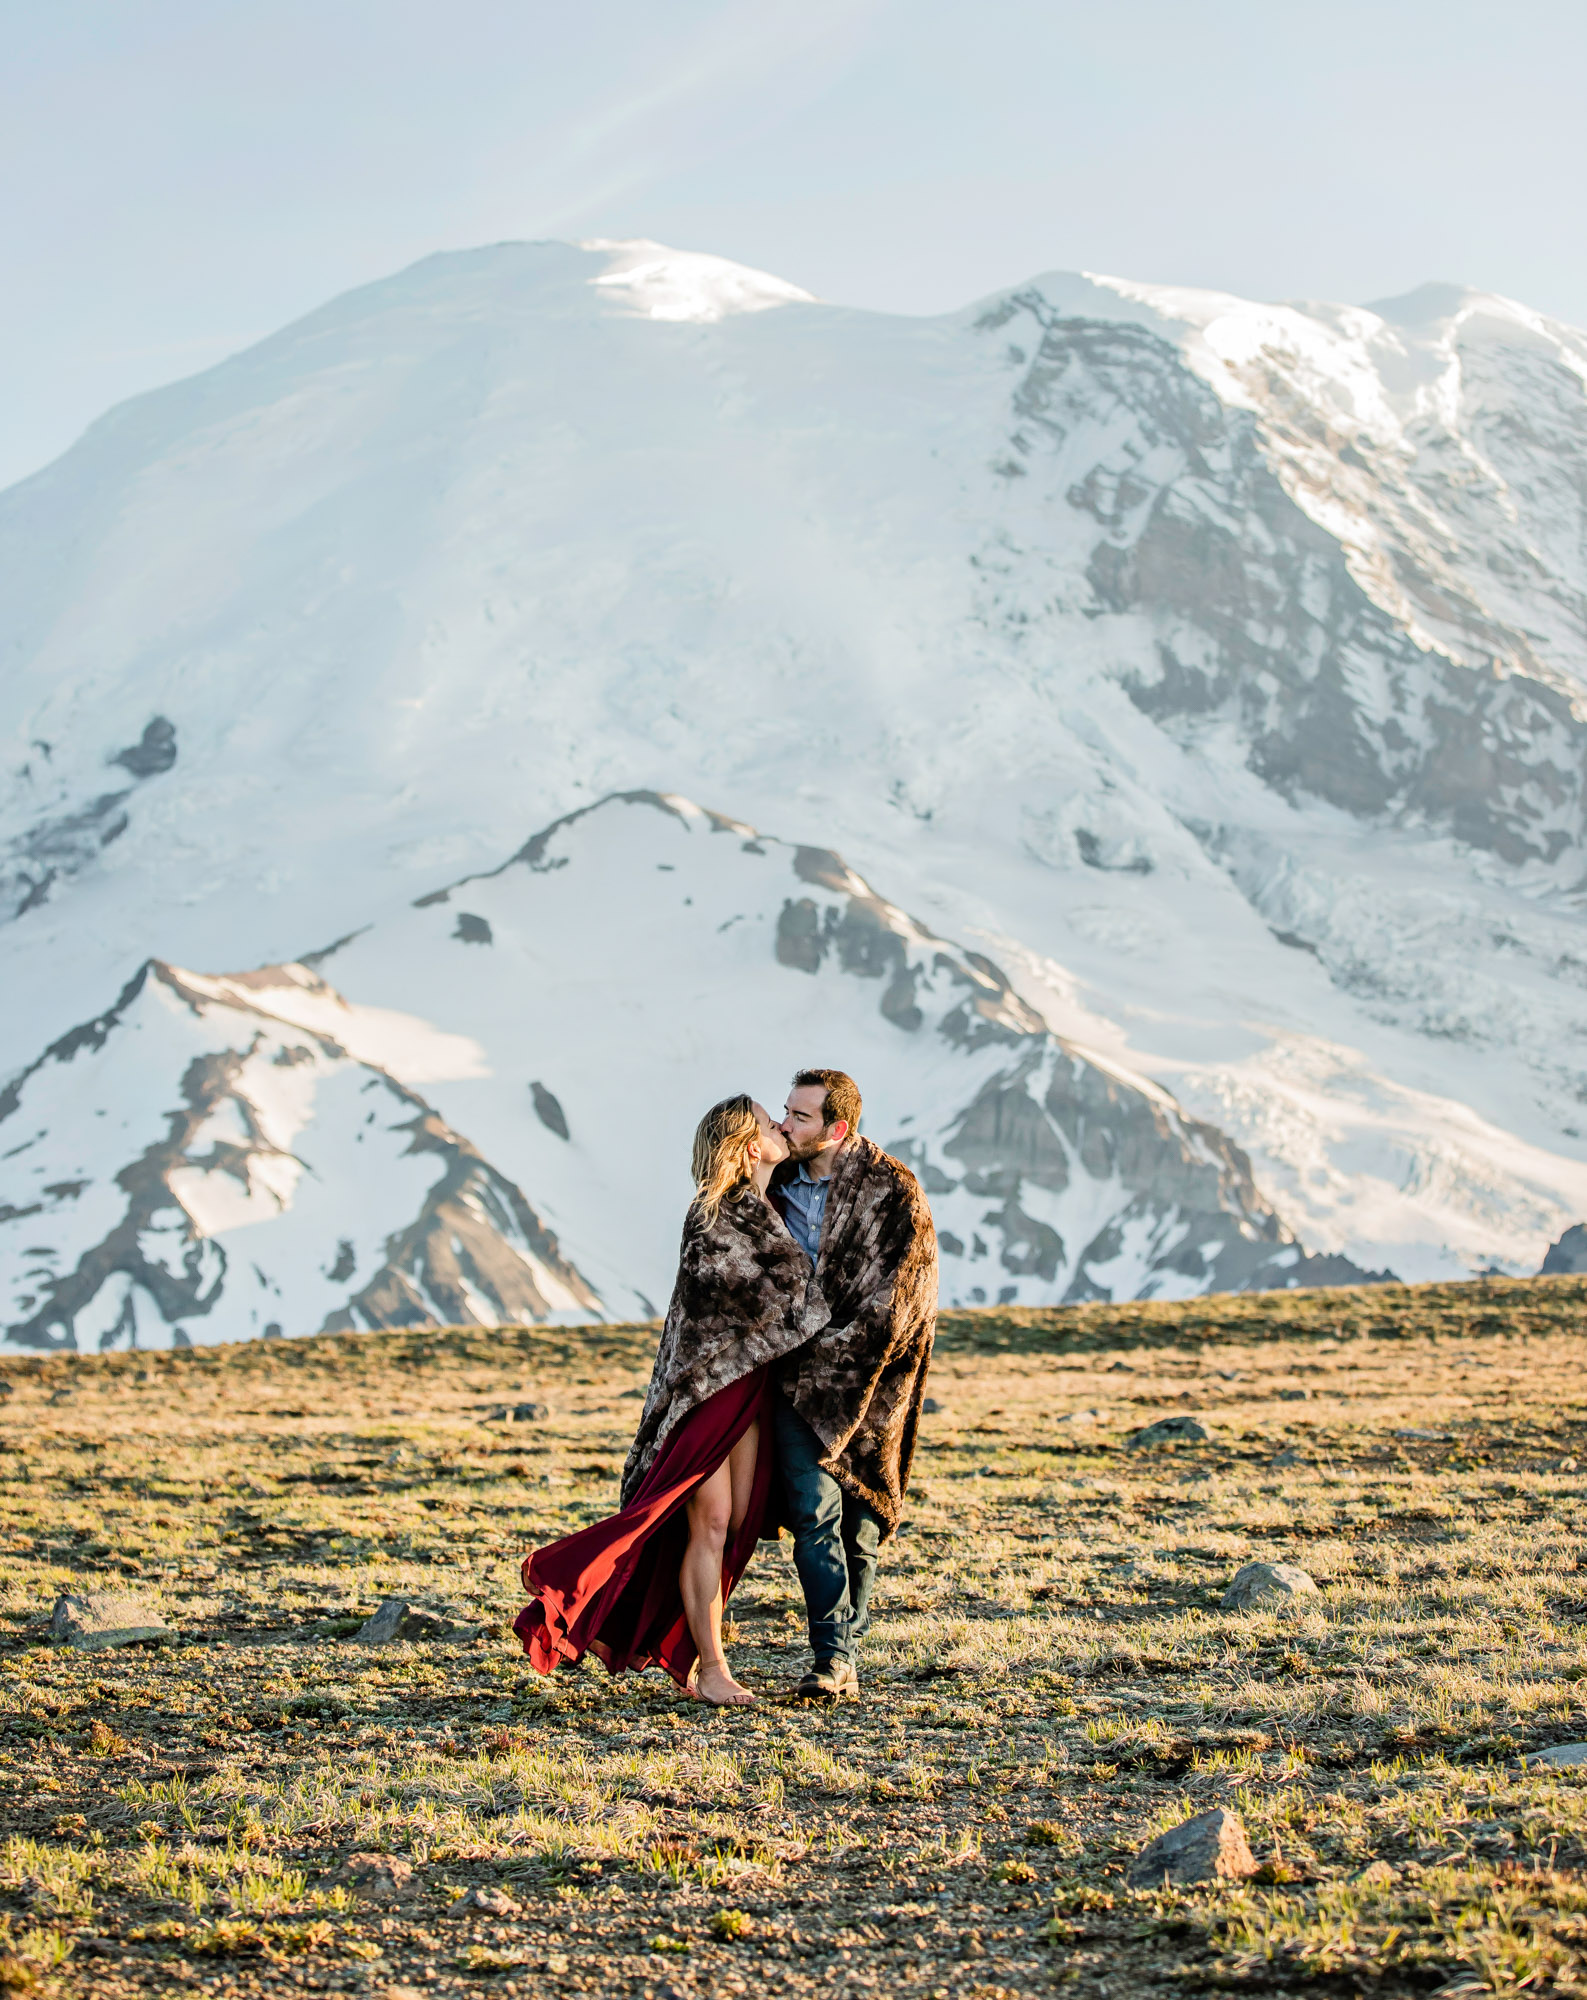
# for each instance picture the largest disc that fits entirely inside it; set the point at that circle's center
(647, 1586)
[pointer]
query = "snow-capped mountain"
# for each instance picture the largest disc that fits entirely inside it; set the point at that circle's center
(266, 1159)
(1215, 668)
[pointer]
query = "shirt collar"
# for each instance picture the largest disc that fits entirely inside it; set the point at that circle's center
(804, 1174)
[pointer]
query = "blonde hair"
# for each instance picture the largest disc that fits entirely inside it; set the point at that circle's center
(721, 1151)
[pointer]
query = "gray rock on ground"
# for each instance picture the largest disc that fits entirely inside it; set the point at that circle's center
(1557, 1757)
(100, 1618)
(397, 1619)
(378, 1878)
(1269, 1584)
(494, 1902)
(1171, 1430)
(1212, 1847)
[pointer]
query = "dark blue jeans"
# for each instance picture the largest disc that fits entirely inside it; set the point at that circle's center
(835, 1539)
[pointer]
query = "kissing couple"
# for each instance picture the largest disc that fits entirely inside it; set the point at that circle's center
(786, 1393)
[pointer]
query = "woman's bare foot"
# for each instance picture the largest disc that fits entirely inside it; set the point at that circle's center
(716, 1687)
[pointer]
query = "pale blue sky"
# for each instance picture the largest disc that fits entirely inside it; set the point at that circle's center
(182, 176)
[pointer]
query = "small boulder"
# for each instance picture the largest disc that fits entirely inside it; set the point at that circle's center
(530, 1413)
(378, 1878)
(494, 1903)
(397, 1619)
(1171, 1430)
(1270, 1584)
(1557, 1757)
(1080, 1419)
(101, 1618)
(931, 1407)
(1212, 1847)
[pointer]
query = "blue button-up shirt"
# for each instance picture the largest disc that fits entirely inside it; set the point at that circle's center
(807, 1208)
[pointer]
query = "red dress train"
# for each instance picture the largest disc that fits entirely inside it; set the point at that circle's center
(612, 1588)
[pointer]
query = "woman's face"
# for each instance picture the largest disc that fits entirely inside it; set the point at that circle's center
(773, 1146)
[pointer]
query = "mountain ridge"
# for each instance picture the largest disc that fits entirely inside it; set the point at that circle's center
(250, 1203)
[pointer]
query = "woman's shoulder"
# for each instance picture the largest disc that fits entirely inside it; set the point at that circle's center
(743, 1211)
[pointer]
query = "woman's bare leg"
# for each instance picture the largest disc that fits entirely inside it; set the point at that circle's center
(741, 1471)
(716, 1507)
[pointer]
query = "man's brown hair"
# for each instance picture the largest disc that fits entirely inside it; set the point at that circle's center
(842, 1098)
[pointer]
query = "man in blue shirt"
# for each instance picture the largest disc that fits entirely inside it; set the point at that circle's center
(805, 1206)
(863, 1222)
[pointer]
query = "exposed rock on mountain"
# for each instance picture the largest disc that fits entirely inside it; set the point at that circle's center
(1569, 1255)
(186, 1167)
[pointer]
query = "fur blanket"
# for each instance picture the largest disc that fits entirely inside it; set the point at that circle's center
(860, 1382)
(744, 1297)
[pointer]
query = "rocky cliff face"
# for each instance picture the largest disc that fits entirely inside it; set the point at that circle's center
(1215, 668)
(187, 1167)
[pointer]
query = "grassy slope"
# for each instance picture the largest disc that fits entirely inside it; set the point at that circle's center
(1049, 1680)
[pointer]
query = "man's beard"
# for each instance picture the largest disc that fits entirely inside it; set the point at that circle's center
(800, 1150)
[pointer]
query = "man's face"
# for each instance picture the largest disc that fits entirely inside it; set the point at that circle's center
(802, 1126)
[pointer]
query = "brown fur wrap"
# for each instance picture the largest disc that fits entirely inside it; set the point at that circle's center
(859, 1384)
(744, 1297)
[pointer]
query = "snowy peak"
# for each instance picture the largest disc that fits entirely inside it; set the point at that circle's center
(658, 283)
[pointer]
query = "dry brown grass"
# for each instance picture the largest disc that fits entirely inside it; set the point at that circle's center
(1048, 1682)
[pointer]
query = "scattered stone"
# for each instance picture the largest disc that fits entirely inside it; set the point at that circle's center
(1082, 1419)
(1377, 1875)
(530, 1413)
(494, 1902)
(1121, 1368)
(931, 1407)
(1171, 1430)
(396, 1618)
(1558, 1757)
(378, 1878)
(1212, 1847)
(1267, 1583)
(1294, 1395)
(1429, 1437)
(1291, 1458)
(101, 1618)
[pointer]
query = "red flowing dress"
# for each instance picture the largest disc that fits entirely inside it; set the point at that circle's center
(612, 1588)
